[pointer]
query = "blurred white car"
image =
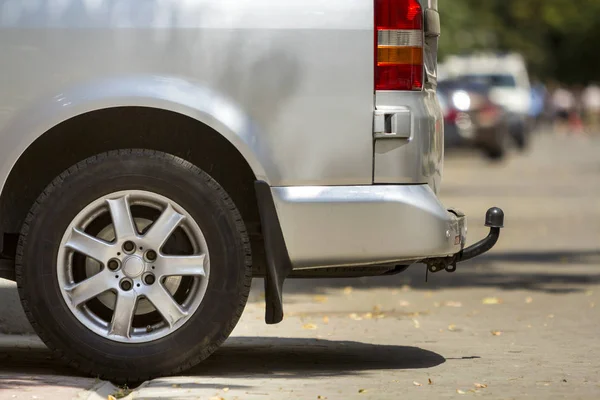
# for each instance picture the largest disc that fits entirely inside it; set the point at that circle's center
(509, 81)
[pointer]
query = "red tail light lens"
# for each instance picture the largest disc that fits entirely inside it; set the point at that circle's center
(398, 45)
(398, 14)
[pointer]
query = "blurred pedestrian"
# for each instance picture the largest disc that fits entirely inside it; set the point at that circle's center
(563, 103)
(591, 105)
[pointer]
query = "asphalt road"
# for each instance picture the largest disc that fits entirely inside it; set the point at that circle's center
(519, 322)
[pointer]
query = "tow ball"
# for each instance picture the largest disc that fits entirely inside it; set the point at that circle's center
(494, 219)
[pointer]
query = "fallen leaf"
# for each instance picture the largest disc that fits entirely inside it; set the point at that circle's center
(491, 300)
(311, 327)
(355, 317)
(416, 323)
(460, 391)
(320, 299)
(496, 333)
(453, 304)
(321, 397)
(403, 303)
(452, 328)
(528, 300)
(348, 290)
(430, 381)
(416, 383)
(226, 389)
(216, 398)
(480, 385)
(110, 397)
(326, 319)
(362, 390)
(377, 308)
(368, 315)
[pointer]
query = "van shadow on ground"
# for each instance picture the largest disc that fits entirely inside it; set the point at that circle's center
(260, 357)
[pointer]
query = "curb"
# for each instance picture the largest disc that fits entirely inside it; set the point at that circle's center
(101, 391)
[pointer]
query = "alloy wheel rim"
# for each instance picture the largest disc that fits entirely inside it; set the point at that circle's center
(135, 267)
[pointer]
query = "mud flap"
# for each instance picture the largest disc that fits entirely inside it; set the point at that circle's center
(279, 265)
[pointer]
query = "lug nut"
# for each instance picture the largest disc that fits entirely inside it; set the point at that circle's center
(126, 284)
(129, 246)
(151, 255)
(149, 279)
(113, 264)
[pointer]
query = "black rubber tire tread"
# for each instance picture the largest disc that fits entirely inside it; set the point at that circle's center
(81, 361)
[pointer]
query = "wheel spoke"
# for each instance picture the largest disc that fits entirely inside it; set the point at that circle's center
(123, 314)
(89, 288)
(180, 266)
(121, 218)
(165, 304)
(164, 226)
(89, 245)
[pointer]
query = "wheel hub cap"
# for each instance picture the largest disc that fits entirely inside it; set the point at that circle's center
(133, 267)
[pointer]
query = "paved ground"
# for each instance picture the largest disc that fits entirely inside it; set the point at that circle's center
(520, 322)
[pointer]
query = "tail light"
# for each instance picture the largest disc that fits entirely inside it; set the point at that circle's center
(399, 45)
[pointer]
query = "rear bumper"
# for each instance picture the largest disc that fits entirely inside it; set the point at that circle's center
(325, 226)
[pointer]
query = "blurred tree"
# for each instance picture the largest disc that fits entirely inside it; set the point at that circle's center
(557, 37)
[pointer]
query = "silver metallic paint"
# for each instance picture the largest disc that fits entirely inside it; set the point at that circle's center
(288, 83)
(360, 225)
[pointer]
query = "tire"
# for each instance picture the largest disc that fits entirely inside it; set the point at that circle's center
(520, 134)
(178, 339)
(495, 150)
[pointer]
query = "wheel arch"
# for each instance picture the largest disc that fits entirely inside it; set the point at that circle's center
(162, 114)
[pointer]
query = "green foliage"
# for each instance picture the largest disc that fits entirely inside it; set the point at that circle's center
(557, 37)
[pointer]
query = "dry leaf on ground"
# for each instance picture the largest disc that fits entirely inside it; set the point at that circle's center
(355, 317)
(348, 290)
(226, 389)
(491, 300)
(460, 391)
(452, 328)
(368, 315)
(496, 333)
(529, 300)
(362, 390)
(430, 381)
(311, 327)
(416, 323)
(416, 383)
(326, 319)
(453, 304)
(216, 398)
(320, 298)
(321, 397)
(480, 385)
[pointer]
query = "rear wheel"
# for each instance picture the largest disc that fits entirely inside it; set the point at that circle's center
(133, 264)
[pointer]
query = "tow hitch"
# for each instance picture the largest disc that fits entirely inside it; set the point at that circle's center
(494, 219)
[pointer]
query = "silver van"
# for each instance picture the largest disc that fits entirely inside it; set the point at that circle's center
(156, 155)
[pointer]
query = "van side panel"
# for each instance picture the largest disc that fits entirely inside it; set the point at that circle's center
(301, 71)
